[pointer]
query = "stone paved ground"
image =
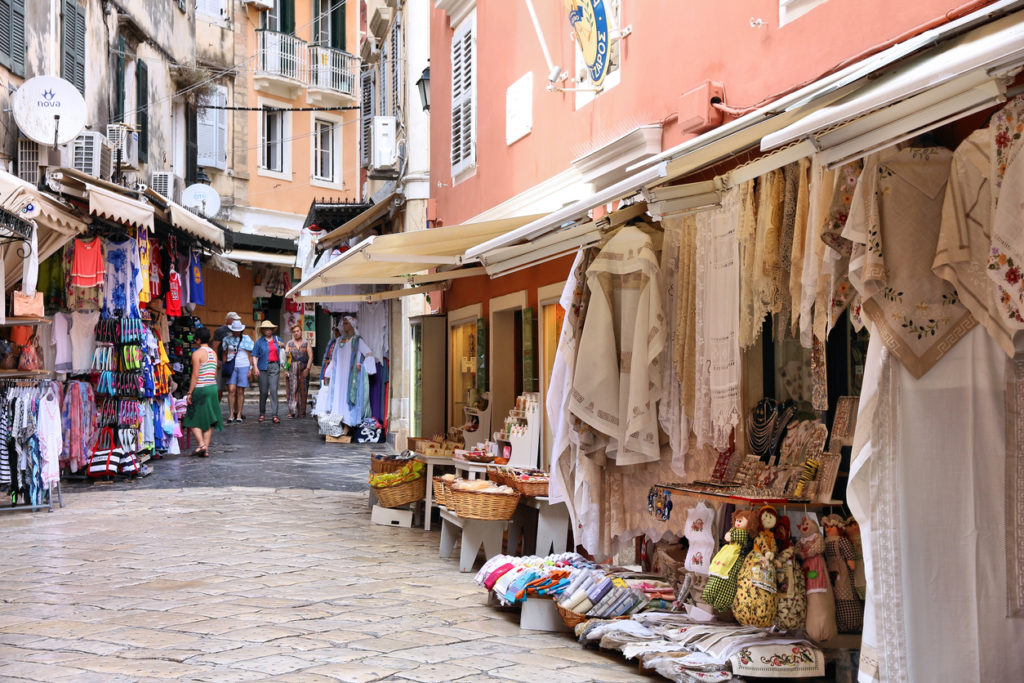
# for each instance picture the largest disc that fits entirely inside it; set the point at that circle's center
(224, 581)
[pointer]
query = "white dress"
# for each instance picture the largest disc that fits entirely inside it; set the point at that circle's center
(332, 407)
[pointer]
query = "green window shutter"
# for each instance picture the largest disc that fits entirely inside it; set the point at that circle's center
(6, 29)
(72, 68)
(119, 93)
(191, 145)
(142, 108)
(338, 24)
(18, 37)
(287, 17)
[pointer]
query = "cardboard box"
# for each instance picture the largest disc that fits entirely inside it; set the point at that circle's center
(339, 439)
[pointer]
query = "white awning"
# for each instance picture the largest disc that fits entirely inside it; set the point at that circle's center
(959, 75)
(252, 256)
(402, 258)
(367, 219)
(185, 220)
(117, 207)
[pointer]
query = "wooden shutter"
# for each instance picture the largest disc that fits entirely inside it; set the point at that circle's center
(72, 66)
(222, 128)
(463, 140)
(18, 37)
(337, 24)
(366, 116)
(142, 107)
(119, 75)
(206, 133)
(191, 153)
(396, 65)
(6, 26)
(287, 15)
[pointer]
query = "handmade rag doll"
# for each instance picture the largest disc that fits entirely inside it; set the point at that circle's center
(840, 559)
(821, 605)
(754, 604)
(725, 567)
(791, 591)
(783, 533)
(860, 583)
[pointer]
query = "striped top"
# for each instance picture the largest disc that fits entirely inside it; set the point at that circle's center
(208, 369)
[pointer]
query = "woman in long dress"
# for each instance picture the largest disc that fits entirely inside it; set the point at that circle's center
(343, 401)
(298, 373)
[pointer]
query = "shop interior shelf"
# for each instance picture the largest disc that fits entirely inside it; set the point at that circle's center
(725, 497)
(24, 320)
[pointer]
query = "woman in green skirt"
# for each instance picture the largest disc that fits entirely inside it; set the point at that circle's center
(203, 414)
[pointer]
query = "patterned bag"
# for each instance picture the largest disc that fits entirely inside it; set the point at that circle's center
(105, 460)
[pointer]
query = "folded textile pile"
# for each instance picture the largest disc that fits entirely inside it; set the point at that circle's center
(513, 578)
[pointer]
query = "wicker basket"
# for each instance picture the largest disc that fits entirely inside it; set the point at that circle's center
(477, 505)
(378, 466)
(500, 476)
(442, 494)
(574, 619)
(409, 492)
(530, 488)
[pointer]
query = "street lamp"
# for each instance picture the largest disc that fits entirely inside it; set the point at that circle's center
(424, 87)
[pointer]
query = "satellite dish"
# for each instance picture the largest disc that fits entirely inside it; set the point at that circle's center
(49, 110)
(201, 199)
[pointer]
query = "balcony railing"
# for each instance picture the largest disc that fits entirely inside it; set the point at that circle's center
(281, 55)
(332, 69)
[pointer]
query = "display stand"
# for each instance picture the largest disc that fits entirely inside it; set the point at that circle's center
(552, 531)
(471, 470)
(525, 440)
(540, 614)
(483, 421)
(475, 533)
(48, 506)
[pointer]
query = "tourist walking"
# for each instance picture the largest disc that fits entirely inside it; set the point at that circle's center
(268, 350)
(203, 413)
(238, 365)
(298, 375)
(217, 343)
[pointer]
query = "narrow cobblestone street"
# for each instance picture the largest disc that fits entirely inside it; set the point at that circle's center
(258, 564)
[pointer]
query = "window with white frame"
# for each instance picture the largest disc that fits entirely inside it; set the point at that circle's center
(212, 130)
(272, 140)
(794, 9)
(211, 9)
(463, 139)
(324, 155)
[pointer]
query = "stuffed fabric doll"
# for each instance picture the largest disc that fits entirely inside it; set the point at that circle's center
(860, 583)
(841, 561)
(754, 604)
(725, 567)
(791, 591)
(821, 605)
(783, 533)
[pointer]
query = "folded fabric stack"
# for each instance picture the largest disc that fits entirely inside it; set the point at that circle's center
(513, 578)
(600, 595)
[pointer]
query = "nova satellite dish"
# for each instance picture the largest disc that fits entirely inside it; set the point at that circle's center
(201, 199)
(49, 110)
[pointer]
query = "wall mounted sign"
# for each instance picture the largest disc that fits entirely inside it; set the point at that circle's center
(589, 21)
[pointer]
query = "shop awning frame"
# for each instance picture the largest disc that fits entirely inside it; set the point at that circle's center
(374, 296)
(364, 221)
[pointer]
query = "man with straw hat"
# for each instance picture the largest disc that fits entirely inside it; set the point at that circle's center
(269, 353)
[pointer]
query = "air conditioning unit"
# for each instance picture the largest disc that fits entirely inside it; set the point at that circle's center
(93, 154)
(369, 51)
(260, 4)
(384, 147)
(126, 141)
(167, 185)
(380, 21)
(29, 159)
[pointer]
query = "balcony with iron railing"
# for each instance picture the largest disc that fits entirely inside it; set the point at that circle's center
(285, 65)
(333, 75)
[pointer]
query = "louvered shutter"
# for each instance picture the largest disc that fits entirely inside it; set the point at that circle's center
(72, 67)
(366, 116)
(191, 145)
(5, 32)
(396, 65)
(119, 74)
(18, 37)
(222, 128)
(382, 81)
(206, 133)
(337, 24)
(142, 107)
(463, 142)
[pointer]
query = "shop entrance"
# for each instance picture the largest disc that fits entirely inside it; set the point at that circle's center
(506, 360)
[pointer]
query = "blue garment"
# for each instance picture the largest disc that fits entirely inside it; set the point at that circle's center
(122, 280)
(261, 351)
(196, 291)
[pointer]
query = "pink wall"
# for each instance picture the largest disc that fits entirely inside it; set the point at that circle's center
(674, 47)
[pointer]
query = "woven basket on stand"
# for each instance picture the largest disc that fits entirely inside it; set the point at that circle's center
(530, 488)
(408, 492)
(478, 505)
(442, 494)
(499, 475)
(378, 466)
(574, 619)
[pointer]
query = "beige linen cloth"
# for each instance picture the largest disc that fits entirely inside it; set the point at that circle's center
(623, 337)
(894, 225)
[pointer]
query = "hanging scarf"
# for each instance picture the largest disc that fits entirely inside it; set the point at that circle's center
(353, 375)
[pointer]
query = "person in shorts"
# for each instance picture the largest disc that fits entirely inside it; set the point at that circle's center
(218, 339)
(239, 365)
